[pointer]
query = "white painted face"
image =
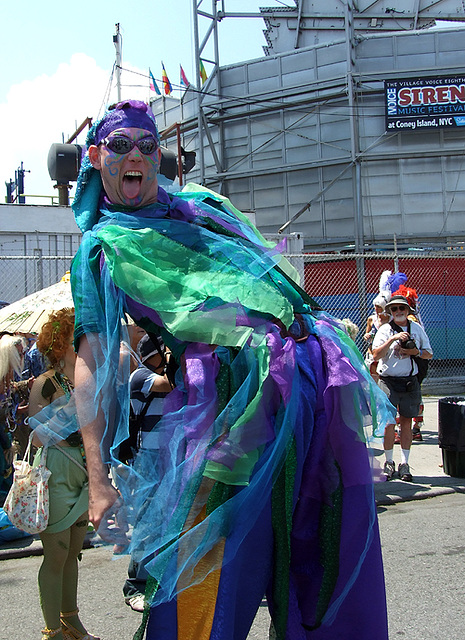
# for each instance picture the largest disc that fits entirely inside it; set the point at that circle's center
(129, 179)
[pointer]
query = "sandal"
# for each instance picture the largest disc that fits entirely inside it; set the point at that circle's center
(50, 633)
(70, 632)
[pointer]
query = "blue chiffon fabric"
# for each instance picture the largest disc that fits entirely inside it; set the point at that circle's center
(268, 383)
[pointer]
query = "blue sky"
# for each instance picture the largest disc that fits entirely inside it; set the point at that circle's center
(56, 61)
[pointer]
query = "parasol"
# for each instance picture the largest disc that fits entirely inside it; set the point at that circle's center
(30, 313)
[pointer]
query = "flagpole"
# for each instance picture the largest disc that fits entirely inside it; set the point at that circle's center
(117, 43)
(199, 93)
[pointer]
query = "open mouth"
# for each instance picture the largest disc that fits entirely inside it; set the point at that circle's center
(132, 181)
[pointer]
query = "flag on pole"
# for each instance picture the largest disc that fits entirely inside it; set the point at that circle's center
(203, 73)
(153, 84)
(167, 88)
(184, 81)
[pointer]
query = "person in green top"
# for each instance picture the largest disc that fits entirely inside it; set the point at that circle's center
(63, 538)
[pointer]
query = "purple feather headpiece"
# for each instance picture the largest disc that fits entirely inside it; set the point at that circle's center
(126, 114)
(396, 279)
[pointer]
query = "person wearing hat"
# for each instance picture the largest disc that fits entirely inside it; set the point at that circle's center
(412, 297)
(374, 322)
(262, 479)
(395, 345)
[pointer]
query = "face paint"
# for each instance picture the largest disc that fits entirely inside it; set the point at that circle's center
(130, 179)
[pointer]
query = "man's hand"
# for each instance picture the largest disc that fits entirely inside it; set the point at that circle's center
(113, 527)
(381, 351)
(402, 336)
(410, 352)
(22, 409)
(101, 499)
(102, 494)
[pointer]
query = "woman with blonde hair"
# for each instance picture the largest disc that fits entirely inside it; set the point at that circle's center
(10, 357)
(63, 538)
(10, 363)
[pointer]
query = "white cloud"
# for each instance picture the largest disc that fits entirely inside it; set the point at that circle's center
(39, 112)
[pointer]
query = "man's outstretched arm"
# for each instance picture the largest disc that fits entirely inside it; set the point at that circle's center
(102, 494)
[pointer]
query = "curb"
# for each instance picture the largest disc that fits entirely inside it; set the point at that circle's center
(431, 492)
(25, 547)
(14, 550)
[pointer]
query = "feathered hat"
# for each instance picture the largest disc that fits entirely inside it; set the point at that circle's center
(409, 293)
(388, 283)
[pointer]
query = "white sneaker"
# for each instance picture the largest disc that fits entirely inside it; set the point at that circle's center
(136, 602)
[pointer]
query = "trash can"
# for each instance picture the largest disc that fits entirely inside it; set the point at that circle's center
(451, 435)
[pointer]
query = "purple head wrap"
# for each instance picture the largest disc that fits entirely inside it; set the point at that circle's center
(126, 114)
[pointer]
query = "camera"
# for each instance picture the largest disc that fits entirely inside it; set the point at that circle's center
(408, 344)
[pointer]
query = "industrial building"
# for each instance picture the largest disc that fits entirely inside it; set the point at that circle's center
(302, 133)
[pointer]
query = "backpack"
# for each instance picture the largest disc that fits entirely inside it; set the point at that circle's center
(129, 446)
(422, 365)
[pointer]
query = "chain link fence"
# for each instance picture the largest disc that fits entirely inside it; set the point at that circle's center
(345, 285)
(22, 275)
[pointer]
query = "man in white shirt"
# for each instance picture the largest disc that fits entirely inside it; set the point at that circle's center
(394, 346)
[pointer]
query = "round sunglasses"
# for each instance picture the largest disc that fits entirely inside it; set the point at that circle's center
(401, 307)
(122, 145)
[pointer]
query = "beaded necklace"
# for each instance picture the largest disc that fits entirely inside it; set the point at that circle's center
(74, 439)
(65, 383)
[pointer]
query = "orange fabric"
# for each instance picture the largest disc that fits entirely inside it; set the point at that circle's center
(196, 605)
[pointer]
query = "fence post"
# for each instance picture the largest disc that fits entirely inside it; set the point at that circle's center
(39, 269)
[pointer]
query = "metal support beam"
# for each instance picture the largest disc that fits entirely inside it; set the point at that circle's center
(86, 123)
(297, 31)
(118, 47)
(203, 43)
(199, 93)
(416, 9)
(354, 139)
(216, 159)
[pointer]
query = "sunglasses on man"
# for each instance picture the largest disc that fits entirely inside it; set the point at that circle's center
(122, 145)
(400, 307)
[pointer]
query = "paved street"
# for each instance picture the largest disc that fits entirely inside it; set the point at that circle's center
(423, 549)
(424, 554)
(100, 598)
(423, 544)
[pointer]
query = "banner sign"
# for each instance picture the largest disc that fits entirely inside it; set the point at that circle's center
(425, 103)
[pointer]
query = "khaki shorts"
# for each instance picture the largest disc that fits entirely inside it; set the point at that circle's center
(406, 402)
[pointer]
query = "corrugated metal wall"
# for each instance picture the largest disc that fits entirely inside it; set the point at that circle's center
(285, 127)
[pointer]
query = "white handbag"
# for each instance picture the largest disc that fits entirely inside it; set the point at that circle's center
(27, 503)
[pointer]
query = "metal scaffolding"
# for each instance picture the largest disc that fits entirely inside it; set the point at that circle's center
(298, 136)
